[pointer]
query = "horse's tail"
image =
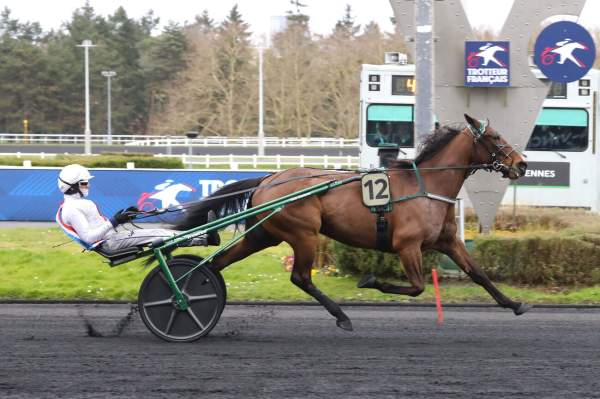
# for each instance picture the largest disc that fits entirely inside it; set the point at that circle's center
(230, 199)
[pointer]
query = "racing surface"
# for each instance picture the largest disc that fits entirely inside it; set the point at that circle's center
(297, 352)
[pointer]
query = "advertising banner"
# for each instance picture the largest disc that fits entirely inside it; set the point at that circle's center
(546, 174)
(487, 64)
(31, 194)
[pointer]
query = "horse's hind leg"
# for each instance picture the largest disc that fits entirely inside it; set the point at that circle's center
(304, 255)
(412, 261)
(242, 249)
(458, 253)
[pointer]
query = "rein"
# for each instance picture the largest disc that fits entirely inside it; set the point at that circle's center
(414, 168)
(477, 133)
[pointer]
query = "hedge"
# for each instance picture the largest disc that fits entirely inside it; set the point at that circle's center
(99, 161)
(540, 260)
(360, 261)
(534, 259)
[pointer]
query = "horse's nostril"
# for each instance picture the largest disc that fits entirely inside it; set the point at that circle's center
(522, 166)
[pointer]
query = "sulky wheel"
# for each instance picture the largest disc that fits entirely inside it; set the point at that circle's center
(197, 259)
(164, 318)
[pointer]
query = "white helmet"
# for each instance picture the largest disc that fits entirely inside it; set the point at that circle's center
(70, 176)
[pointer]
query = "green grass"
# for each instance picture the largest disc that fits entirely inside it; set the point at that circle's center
(33, 269)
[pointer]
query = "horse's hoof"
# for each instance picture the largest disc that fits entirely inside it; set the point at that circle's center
(345, 324)
(367, 281)
(524, 307)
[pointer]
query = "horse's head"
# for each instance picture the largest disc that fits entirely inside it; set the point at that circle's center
(491, 148)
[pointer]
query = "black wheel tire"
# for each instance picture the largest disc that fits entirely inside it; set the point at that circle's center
(217, 274)
(168, 322)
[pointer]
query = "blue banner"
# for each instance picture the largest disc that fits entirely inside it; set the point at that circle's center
(32, 194)
(487, 64)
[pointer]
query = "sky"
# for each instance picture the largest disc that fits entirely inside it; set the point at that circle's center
(323, 13)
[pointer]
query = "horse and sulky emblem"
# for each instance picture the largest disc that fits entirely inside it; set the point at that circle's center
(564, 50)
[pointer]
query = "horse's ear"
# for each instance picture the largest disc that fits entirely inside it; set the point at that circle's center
(472, 122)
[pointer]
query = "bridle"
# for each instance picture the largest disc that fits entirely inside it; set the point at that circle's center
(496, 163)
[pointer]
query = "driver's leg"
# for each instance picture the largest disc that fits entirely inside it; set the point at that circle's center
(131, 238)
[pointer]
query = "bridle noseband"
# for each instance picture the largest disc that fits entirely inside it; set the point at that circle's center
(497, 164)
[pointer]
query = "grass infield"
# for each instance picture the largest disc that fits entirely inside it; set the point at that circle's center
(33, 268)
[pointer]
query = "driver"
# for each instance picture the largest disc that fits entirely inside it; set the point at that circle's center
(82, 221)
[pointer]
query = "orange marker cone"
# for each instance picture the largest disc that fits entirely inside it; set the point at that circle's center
(438, 301)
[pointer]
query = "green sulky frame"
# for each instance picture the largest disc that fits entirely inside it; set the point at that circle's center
(162, 252)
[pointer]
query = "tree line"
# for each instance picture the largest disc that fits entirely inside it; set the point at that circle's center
(200, 76)
(42, 73)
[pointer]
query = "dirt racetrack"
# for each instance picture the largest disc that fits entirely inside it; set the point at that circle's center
(297, 352)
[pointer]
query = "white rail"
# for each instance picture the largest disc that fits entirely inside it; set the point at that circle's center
(65, 139)
(175, 141)
(26, 155)
(235, 161)
(267, 161)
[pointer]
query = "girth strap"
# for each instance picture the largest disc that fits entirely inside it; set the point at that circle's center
(382, 241)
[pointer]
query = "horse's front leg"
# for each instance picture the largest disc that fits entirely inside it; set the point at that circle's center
(412, 260)
(456, 250)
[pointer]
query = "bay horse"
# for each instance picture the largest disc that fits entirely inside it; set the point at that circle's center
(446, 158)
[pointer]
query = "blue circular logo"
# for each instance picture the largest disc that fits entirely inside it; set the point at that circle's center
(564, 51)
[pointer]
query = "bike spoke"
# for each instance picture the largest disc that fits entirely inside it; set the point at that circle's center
(168, 301)
(193, 316)
(171, 320)
(186, 282)
(201, 297)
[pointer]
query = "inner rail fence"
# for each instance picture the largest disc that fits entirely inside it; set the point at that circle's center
(175, 141)
(233, 162)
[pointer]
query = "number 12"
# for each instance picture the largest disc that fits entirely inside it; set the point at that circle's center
(381, 194)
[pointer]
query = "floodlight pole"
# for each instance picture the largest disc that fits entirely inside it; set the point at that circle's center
(424, 112)
(86, 44)
(261, 132)
(108, 75)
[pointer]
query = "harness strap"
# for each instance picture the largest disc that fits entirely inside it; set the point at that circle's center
(422, 193)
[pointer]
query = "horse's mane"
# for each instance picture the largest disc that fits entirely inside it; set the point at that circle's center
(432, 144)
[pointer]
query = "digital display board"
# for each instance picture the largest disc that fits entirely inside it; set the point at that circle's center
(403, 85)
